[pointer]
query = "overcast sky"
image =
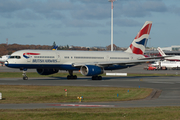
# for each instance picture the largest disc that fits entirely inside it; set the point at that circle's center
(87, 22)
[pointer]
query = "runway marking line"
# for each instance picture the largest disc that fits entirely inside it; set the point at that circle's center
(81, 105)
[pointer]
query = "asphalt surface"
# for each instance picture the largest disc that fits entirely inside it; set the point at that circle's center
(135, 69)
(166, 89)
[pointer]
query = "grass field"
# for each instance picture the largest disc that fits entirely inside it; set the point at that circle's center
(153, 113)
(55, 94)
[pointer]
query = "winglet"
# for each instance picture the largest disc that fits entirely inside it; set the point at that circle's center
(139, 43)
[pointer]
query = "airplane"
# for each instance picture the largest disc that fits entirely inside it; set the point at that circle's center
(171, 58)
(4, 58)
(89, 63)
(167, 64)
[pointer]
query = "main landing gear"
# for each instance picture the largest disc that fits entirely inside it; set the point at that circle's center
(96, 77)
(71, 76)
(24, 74)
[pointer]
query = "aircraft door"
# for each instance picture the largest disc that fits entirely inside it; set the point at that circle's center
(58, 57)
(107, 58)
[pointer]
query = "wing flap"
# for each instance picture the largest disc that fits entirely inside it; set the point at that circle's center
(156, 57)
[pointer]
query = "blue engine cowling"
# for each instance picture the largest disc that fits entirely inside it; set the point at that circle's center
(91, 70)
(46, 71)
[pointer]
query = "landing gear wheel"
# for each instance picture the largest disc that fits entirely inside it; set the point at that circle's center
(96, 77)
(24, 74)
(25, 78)
(74, 77)
(71, 76)
(99, 77)
(68, 77)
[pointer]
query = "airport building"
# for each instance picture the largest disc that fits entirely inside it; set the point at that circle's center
(173, 50)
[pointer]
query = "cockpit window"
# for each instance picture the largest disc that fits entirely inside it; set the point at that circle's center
(16, 57)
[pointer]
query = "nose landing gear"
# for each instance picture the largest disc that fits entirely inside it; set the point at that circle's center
(25, 77)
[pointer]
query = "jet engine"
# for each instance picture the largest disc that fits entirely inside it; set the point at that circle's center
(91, 70)
(46, 71)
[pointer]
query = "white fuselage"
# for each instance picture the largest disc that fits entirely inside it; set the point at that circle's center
(173, 58)
(167, 64)
(65, 59)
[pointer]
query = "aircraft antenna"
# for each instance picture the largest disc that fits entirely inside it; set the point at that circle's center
(111, 23)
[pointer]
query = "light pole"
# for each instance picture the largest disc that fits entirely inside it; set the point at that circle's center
(111, 23)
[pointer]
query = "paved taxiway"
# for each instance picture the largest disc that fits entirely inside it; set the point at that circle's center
(136, 69)
(170, 95)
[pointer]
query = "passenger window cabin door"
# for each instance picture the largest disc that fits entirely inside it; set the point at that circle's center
(58, 57)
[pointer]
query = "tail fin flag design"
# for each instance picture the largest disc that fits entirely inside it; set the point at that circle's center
(161, 51)
(139, 43)
(55, 47)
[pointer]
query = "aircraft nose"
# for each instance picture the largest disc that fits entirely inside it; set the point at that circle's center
(6, 63)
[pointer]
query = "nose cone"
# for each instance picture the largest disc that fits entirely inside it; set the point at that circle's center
(6, 63)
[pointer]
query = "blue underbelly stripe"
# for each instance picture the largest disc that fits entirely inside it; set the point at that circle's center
(59, 66)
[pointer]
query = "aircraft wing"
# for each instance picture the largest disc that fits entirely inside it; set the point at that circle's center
(156, 57)
(109, 63)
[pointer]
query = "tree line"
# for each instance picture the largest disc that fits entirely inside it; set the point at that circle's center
(10, 48)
